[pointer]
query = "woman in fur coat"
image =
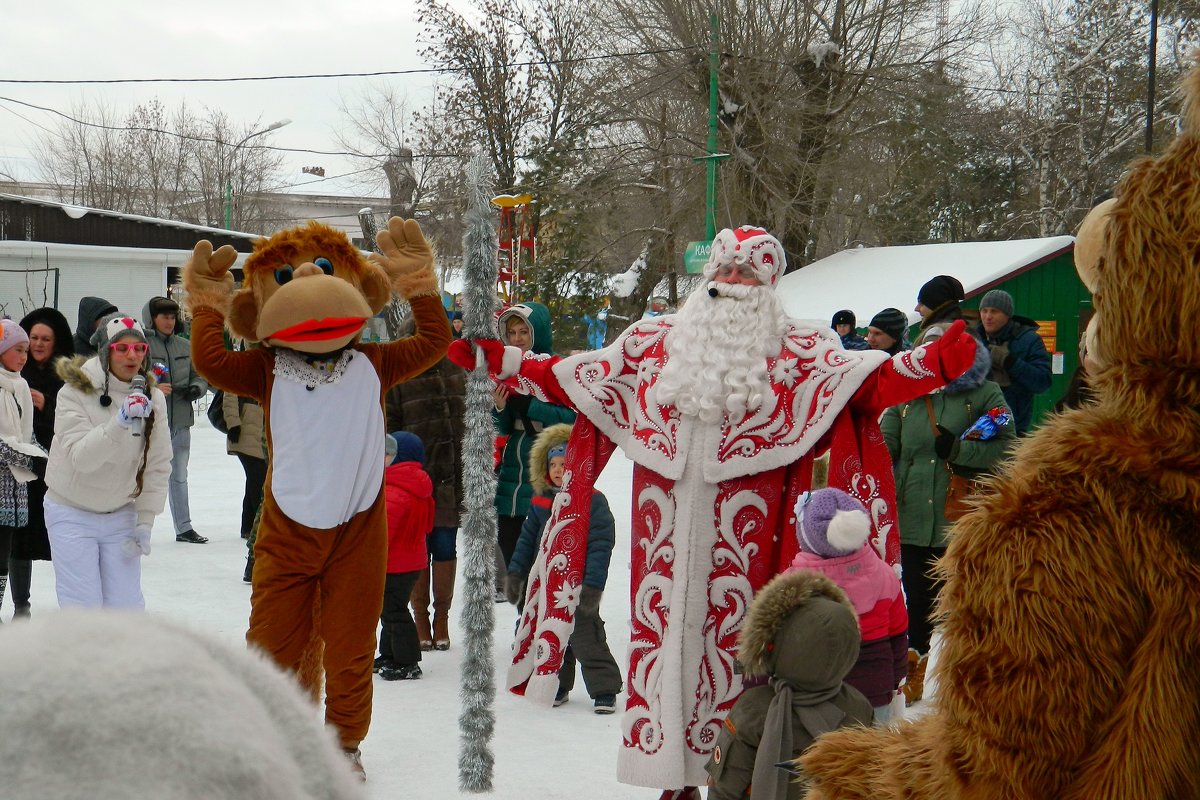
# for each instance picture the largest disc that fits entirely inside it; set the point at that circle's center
(1070, 642)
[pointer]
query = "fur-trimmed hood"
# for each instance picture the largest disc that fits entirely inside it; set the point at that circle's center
(539, 463)
(800, 627)
(84, 373)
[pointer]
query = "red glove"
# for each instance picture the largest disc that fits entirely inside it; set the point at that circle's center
(955, 350)
(462, 353)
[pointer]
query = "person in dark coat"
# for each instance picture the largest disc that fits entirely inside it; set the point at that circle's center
(588, 644)
(801, 632)
(432, 406)
(844, 324)
(50, 339)
(938, 304)
(1020, 363)
(91, 311)
(888, 331)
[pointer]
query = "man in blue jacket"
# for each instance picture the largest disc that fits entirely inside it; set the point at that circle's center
(1020, 363)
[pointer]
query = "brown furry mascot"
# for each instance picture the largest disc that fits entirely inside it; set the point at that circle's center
(306, 296)
(1071, 653)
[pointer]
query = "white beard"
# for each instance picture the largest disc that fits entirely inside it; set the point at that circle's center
(717, 351)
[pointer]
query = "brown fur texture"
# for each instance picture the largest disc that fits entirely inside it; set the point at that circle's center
(772, 605)
(1071, 632)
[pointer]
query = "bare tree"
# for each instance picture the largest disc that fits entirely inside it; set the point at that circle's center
(194, 168)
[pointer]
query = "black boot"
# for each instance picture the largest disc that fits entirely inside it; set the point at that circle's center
(20, 576)
(3, 586)
(248, 575)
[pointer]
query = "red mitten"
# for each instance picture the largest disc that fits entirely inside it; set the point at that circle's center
(955, 350)
(462, 353)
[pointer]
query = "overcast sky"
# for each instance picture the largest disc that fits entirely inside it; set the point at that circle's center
(56, 40)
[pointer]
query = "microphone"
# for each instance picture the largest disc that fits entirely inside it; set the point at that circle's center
(712, 291)
(137, 384)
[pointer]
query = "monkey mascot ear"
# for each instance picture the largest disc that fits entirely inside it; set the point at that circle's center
(243, 314)
(376, 287)
(1089, 243)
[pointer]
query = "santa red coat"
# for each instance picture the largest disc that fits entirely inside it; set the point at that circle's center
(730, 487)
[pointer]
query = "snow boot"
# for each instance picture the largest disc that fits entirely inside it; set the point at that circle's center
(419, 600)
(443, 593)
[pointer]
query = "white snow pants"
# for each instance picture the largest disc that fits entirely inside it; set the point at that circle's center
(91, 567)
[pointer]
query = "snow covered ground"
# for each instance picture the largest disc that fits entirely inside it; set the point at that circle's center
(412, 749)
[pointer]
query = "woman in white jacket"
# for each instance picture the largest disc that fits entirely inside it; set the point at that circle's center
(107, 475)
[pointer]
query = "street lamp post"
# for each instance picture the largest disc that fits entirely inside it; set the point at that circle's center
(274, 126)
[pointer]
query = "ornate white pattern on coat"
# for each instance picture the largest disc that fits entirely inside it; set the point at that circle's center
(615, 387)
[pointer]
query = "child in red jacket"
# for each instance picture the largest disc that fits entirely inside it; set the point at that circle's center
(410, 507)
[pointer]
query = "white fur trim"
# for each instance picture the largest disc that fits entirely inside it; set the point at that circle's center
(510, 364)
(848, 531)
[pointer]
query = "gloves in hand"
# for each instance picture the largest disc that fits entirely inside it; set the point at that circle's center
(1000, 356)
(139, 543)
(945, 445)
(514, 588)
(234, 434)
(136, 406)
(955, 350)
(589, 599)
(462, 352)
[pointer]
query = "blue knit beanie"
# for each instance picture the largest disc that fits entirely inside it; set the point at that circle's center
(408, 447)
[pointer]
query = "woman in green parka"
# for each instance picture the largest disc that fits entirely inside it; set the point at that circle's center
(521, 418)
(920, 459)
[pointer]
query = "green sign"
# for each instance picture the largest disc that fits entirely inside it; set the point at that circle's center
(696, 256)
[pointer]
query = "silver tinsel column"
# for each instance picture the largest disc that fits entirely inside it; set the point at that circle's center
(478, 719)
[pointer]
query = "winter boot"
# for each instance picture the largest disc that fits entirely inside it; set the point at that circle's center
(3, 586)
(248, 573)
(443, 593)
(419, 600)
(914, 684)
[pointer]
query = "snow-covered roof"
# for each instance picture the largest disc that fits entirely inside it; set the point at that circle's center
(867, 280)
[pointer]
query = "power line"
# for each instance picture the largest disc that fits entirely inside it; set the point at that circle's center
(321, 75)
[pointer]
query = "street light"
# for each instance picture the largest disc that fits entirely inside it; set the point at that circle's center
(274, 126)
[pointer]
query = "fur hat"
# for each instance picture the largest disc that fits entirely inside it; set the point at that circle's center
(748, 245)
(404, 446)
(548, 440)
(940, 291)
(162, 305)
(998, 299)
(831, 523)
(891, 321)
(843, 317)
(11, 335)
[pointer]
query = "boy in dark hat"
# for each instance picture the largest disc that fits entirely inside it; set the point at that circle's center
(844, 324)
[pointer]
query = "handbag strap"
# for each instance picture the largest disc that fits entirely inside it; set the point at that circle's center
(932, 419)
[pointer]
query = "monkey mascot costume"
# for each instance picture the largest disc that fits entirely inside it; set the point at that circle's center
(322, 542)
(1070, 666)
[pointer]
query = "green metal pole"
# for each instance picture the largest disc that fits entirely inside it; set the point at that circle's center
(228, 203)
(710, 207)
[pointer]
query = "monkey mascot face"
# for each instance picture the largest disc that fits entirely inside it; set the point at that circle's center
(307, 289)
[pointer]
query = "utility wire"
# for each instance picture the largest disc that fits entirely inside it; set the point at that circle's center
(382, 73)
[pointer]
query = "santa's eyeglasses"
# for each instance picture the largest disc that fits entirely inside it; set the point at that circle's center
(138, 348)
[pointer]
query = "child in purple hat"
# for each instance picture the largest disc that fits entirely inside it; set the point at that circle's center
(832, 528)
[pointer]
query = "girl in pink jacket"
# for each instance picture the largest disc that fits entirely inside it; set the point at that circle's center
(832, 529)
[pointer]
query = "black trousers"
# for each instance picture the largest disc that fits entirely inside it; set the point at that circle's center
(920, 590)
(399, 639)
(256, 475)
(589, 646)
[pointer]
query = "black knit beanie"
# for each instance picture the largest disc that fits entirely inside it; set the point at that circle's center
(941, 290)
(891, 321)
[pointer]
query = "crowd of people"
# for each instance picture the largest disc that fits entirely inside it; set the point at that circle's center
(96, 432)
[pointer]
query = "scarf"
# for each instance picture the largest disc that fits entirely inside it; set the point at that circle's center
(817, 716)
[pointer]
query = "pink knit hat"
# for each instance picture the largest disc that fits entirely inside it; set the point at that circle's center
(13, 335)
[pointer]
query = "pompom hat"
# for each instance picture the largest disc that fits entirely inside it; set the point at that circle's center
(831, 523)
(111, 328)
(13, 335)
